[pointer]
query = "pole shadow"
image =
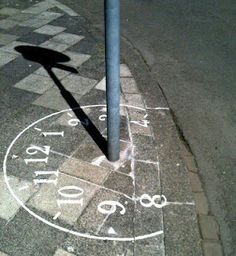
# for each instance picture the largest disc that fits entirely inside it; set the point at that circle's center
(52, 59)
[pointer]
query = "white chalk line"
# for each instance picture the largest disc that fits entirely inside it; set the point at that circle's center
(57, 215)
(102, 224)
(180, 203)
(146, 161)
(23, 188)
(55, 152)
(37, 129)
(157, 108)
(60, 154)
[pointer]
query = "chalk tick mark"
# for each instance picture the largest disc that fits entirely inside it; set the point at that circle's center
(57, 215)
(24, 187)
(37, 129)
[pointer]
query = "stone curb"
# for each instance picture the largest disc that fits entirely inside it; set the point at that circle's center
(209, 229)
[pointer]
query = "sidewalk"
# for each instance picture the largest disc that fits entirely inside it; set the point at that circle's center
(59, 195)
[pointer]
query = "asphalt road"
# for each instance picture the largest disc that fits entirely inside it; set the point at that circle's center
(190, 47)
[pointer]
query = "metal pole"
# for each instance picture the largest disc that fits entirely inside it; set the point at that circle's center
(112, 27)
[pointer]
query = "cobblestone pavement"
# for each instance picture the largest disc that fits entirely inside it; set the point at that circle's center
(59, 195)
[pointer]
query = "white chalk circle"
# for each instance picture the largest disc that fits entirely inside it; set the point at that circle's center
(69, 193)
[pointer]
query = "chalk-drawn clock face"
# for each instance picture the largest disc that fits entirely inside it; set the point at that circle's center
(80, 192)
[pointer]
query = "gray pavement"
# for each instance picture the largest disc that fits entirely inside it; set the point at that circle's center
(59, 195)
(189, 47)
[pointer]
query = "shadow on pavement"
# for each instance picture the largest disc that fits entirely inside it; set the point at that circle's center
(52, 59)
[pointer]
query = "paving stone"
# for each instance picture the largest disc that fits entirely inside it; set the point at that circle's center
(88, 45)
(212, 249)
(60, 148)
(195, 182)
(123, 102)
(56, 9)
(134, 100)
(34, 38)
(19, 31)
(137, 127)
(3, 223)
(37, 9)
(40, 20)
(58, 72)
(48, 16)
(152, 247)
(58, 102)
(209, 227)
(19, 235)
(11, 102)
(124, 82)
(88, 150)
(8, 205)
(93, 68)
(123, 162)
(125, 71)
(181, 231)
(64, 119)
(34, 22)
(78, 84)
(35, 83)
(101, 85)
(84, 246)
(19, 67)
(124, 130)
(7, 24)
(50, 30)
(174, 176)
(79, 29)
(20, 17)
(66, 9)
(46, 198)
(190, 163)
(55, 46)
(6, 38)
(184, 150)
(3, 254)
(9, 11)
(2, 17)
(6, 57)
(60, 252)
(15, 4)
(67, 38)
(76, 59)
(121, 225)
(78, 22)
(11, 47)
(84, 170)
(144, 142)
(144, 148)
(92, 220)
(120, 182)
(147, 179)
(201, 203)
(17, 166)
(128, 85)
(137, 115)
(45, 4)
